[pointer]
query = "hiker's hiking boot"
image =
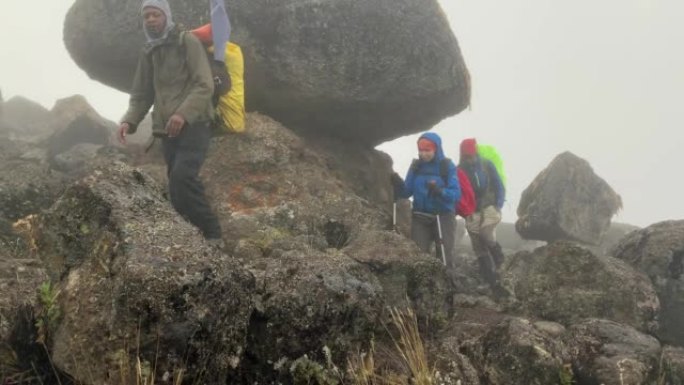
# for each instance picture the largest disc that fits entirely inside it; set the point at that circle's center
(497, 255)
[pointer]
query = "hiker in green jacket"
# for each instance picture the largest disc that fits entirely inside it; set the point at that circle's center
(174, 76)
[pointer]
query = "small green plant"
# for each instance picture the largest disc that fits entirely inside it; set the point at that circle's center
(666, 374)
(48, 314)
(566, 375)
(304, 371)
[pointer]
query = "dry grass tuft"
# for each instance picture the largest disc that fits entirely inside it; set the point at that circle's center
(409, 351)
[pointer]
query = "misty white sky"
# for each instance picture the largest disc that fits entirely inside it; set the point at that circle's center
(604, 79)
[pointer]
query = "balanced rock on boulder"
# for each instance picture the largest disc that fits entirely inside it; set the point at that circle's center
(369, 71)
(567, 201)
(659, 252)
(566, 283)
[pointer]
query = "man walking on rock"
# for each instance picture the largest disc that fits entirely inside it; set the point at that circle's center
(174, 76)
(490, 195)
(432, 182)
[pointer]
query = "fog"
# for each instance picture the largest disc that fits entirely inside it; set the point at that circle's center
(601, 79)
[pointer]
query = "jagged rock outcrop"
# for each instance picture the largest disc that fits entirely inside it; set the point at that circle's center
(315, 243)
(658, 251)
(566, 283)
(311, 264)
(134, 277)
(567, 201)
(367, 71)
(309, 270)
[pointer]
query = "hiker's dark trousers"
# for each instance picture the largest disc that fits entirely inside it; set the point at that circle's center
(481, 228)
(424, 232)
(184, 157)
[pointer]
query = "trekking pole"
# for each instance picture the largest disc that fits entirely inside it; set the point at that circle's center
(441, 239)
(394, 217)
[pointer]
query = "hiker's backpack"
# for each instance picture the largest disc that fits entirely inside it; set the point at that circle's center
(230, 93)
(490, 153)
(230, 109)
(467, 205)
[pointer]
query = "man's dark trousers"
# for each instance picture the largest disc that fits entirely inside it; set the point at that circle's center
(184, 157)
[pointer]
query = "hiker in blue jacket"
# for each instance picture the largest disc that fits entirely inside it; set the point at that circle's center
(433, 183)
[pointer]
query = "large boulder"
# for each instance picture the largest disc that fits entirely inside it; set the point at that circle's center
(519, 351)
(308, 299)
(605, 352)
(369, 71)
(74, 122)
(325, 267)
(567, 201)
(404, 273)
(658, 251)
(25, 118)
(137, 282)
(566, 283)
(26, 186)
(326, 270)
(323, 197)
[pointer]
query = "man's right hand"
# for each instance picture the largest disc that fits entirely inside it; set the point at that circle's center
(397, 185)
(124, 128)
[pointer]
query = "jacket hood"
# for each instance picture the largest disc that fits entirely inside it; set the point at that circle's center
(434, 138)
(162, 5)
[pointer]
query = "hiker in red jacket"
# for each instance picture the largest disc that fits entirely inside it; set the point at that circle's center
(481, 225)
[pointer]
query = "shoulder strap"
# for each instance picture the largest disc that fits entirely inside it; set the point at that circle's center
(181, 38)
(444, 170)
(489, 167)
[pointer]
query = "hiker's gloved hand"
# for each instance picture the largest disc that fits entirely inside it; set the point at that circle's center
(175, 125)
(397, 184)
(124, 129)
(396, 180)
(433, 189)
